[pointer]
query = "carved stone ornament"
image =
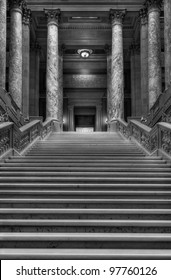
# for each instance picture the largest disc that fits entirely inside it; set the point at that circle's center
(17, 4)
(117, 16)
(153, 4)
(145, 141)
(166, 141)
(26, 16)
(53, 15)
(166, 117)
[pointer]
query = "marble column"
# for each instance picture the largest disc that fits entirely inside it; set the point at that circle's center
(144, 61)
(3, 35)
(154, 51)
(26, 62)
(34, 79)
(15, 56)
(167, 39)
(71, 117)
(98, 117)
(53, 98)
(135, 80)
(117, 67)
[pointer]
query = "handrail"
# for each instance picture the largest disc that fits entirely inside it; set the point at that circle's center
(9, 108)
(160, 109)
(153, 140)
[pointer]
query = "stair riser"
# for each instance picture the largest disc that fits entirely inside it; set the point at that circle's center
(87, 216)
(88, 244)
(88, 205)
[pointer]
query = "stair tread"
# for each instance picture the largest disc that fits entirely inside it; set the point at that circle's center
(47, 253)
(84, 211)
(85, 236)
(85, 222)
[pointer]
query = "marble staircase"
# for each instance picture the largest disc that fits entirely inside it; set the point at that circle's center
(86, 196)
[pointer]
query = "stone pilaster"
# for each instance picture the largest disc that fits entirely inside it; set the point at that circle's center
(3, 35)
(167, 39)
(15, 59)
(98, 117)
(26, 61)
(71, 117)
(135, 80)
(144, 61)
(60, 73)
(109, 59)
(117, 68)
(34, 79)
(154, 50)
(53, 107)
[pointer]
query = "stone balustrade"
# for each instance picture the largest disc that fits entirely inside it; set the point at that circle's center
(154, 140)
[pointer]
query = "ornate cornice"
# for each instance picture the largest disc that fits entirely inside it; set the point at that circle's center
(26, 16)
(143, 14)
(17, 4)
(152, 5)
(53, 15)
(117, 16)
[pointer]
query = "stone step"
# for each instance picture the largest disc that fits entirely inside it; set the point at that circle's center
(86, 240)
(84, 254)
(70, 213)
(21, 168)
(89, 186)
(83, 194)
(105, 175)
(84, 203)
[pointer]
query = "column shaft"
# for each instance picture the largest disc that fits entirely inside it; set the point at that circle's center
(167, 38)
(3, 32)
(144, 62)
(71, 118)
(15, 60)
(109, 89)
(53, 108)
(154, 51)
(117, 69)
(26, 62)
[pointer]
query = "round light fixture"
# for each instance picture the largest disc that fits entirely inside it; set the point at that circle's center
(85, 53)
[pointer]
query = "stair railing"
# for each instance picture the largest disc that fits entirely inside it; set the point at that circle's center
(17, 140)
(156, 140)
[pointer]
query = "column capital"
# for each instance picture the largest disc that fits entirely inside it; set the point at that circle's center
(107, 49)
(26, 16)
(143, 14)
(53, 16)
(17, 5)
(117, 16)
(153, 5)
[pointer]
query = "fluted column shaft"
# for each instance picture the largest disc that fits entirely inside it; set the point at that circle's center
(3, 32)
(98, 118)
(52, 73)
(144, 61)
(154, 51)
(26, 62)
(117, 68)
(167, 39)
(15, 59)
